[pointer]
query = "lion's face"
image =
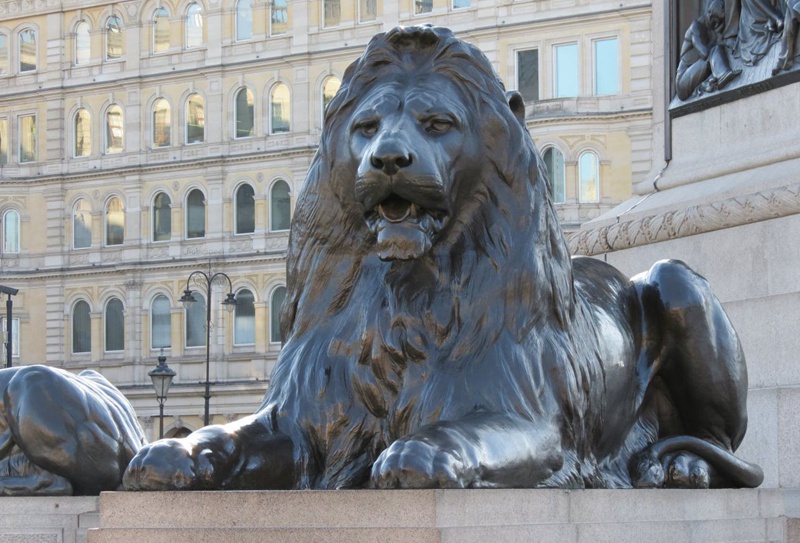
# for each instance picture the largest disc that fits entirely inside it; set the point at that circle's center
(414, 149)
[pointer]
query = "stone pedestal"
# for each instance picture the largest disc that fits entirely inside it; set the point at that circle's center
(47, 520)
(443, 516)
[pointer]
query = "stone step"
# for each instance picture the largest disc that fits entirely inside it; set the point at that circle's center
(447, 516)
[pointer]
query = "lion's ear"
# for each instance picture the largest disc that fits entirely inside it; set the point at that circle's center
(517, 105)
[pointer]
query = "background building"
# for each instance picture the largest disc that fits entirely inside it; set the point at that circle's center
(140, 141)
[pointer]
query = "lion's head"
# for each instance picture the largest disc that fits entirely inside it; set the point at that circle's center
(425, 161)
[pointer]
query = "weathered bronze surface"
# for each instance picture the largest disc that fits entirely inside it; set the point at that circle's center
(731, 49)
(437, 332)
(63, 434)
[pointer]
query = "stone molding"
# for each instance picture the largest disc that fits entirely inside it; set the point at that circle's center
(695, 219)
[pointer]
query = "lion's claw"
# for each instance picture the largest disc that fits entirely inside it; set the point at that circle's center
(417, 464)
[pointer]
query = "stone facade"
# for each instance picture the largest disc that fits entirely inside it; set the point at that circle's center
(114, 82)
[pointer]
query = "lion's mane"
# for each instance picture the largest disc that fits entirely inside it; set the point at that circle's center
(488, 319)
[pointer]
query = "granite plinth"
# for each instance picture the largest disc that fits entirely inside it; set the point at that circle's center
(443, 516)
(47, 520)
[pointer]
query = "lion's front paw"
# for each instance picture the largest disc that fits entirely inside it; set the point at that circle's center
(678, 470)
(164, 465)
(417, 464)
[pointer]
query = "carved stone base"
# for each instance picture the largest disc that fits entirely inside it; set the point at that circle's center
(465, 516)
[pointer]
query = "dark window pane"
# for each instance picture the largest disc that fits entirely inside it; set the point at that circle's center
(244, 329)
(195, 215)
(82, 225)
(27, 50)
(115, 222)
(554, 161)
(161, 323)
(115, 326)
(162, 217)
(280, 207)
(196, 322)
(528, 75)
(244, 113)
(81, 328)
(278, 296)
(245, 210)
(195, 120)
(423, 6)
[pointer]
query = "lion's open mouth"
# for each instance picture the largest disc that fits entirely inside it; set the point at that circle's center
(404, 229)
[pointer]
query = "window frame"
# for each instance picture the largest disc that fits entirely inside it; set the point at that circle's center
(107, 150)
(236, 231)
(595, 42)
(35, 138)
(271, 102)
(105, 221)
(236, 341)
(89, 211)
(76, 61)
(73, 309)
(323, 105)
(153, 25)
(555, 149)
(198, 296)
(186, 214)
(325, 24)
(538, 73)
(8, 40)
(236, 95)
(596, 166)
(272, 10)
(156, 102)
(186, 27)
(75, 132)
(18, 233)
(577, 73)
(271, 204)
(35, 33)
(186, 120)
(106, 28)
(360, 16)
(272, 313)
(4, 141)
(158, 296)
(236, 21)
(153, 230)
(111, 299)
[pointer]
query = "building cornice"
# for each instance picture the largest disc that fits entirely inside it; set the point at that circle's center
(645, 229)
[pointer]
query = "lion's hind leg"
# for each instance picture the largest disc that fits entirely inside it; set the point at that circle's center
(21, 477)
(695, 352)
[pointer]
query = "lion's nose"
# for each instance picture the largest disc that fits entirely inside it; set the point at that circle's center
(390, 157)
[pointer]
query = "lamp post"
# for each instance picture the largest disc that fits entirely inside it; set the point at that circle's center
(230, 304)
(9, 323)
(162, 376)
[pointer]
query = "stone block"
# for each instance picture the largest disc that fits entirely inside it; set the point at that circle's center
(46, 519)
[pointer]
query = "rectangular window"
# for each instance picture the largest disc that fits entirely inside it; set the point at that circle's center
(333, 12)
(3, 142)
(528, 75)
(422, 6)
(27, 138)
(606, 67)
(280, 18)
(367, 10)
(3, 54)
(566, 70)
(14, 339)
(460, 4)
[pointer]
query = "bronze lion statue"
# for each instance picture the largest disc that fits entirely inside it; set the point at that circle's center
(63, 434)
(437, 332)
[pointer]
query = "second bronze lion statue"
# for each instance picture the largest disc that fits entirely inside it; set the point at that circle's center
(437, 332)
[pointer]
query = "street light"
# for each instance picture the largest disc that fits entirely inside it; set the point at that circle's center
(230, 304)
(9, 323)
(162, 376)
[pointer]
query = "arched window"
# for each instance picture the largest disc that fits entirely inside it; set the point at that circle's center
(554, 161)
(161, 31)
(589, 177)
(195, 214)
(280, 207)
(83, 43)
(244, 118)
(279, 109)
(27, 50)
(195, 315)
(331, 12)
(244, 321)
(160, 323)
(278, 296)
(81, 225)
(244, 20)
(194, 26)
(162, 217)
(329, 89)
(10, 233)
(28, 138)
(113, 38)
(115, 326)
(81, 328)
(245, 210)
(115, 129)
(162, 123)
(83, 133)
(279, 19)
(115, 222)
(195, 119)
(4, 54)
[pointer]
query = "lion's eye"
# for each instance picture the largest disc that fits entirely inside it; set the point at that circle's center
(439, 126)
(367, 128)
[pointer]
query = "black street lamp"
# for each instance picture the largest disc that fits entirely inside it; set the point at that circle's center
(230, 304)
(162, 376)
(9, 323)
